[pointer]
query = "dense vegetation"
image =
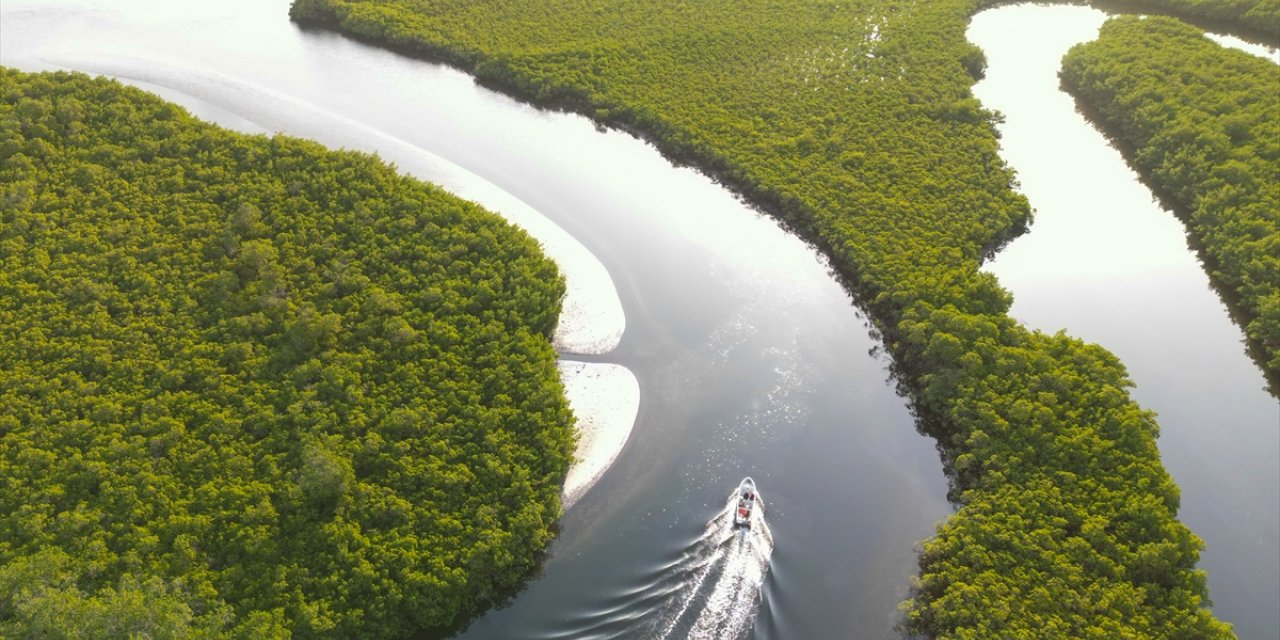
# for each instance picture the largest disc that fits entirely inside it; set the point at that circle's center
(1259, 18)
(854, 122)
(250, 387)
(1199, 122)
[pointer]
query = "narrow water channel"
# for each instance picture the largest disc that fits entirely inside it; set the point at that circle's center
(1106, 263)
(750, 357)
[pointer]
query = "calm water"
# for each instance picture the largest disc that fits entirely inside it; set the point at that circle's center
(1108, 264)
(750, 357)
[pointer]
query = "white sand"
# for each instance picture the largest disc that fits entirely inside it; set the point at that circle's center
(606, 399)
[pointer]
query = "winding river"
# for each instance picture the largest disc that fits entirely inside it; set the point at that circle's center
(747, 355)
(1108, 264)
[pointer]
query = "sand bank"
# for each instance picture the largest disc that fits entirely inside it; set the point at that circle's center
(606, 399)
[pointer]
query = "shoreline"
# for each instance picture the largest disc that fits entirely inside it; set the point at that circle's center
(606, 400)
(591, 318)
(604, 397)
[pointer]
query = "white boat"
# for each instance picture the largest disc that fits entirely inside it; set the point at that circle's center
(747, 499)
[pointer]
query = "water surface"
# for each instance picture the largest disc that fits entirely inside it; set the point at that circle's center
(749, 356)
(1108, 264)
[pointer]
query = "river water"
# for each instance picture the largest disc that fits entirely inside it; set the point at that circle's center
(1106, 263)
(749, 356)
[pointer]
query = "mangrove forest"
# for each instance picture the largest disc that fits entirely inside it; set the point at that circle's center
(1198, 121)
(253, 388)
(855, 125)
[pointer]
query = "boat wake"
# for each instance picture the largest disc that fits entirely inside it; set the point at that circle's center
(724, 573)
(708, 587)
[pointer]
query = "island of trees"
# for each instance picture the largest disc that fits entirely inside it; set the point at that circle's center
(855, 124)
(253, 388)
(1199, 122)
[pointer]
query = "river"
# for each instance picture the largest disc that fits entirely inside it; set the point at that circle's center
(1108, 264)
(749, 356)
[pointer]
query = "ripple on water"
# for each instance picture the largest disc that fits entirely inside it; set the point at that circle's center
(708, 586)
(723, 575)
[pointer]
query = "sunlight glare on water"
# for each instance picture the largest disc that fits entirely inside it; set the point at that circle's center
(749, 353)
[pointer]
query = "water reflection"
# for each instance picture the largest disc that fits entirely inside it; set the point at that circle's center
(1106, 263)
(749, 355)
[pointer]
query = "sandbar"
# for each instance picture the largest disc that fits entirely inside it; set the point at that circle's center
(606, 399)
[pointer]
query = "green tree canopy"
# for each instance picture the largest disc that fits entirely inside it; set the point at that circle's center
(250, 387)
(854, 123)
(1199, 122)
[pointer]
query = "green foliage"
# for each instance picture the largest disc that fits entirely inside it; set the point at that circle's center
(250, 387)
(1066, 527)
(1257, 17)
(1199, 122)
(42, 600)
(854, 122)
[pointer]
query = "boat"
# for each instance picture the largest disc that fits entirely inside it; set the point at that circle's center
(747, 498)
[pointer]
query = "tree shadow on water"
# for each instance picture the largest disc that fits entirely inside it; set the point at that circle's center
(499, 601)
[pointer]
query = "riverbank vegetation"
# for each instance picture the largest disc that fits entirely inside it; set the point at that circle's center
(253, 388)
(854, 123)
(1256, 18)
(1199, 121)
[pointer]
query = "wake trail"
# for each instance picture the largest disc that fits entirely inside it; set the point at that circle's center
(725, 571)
(710, 586)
